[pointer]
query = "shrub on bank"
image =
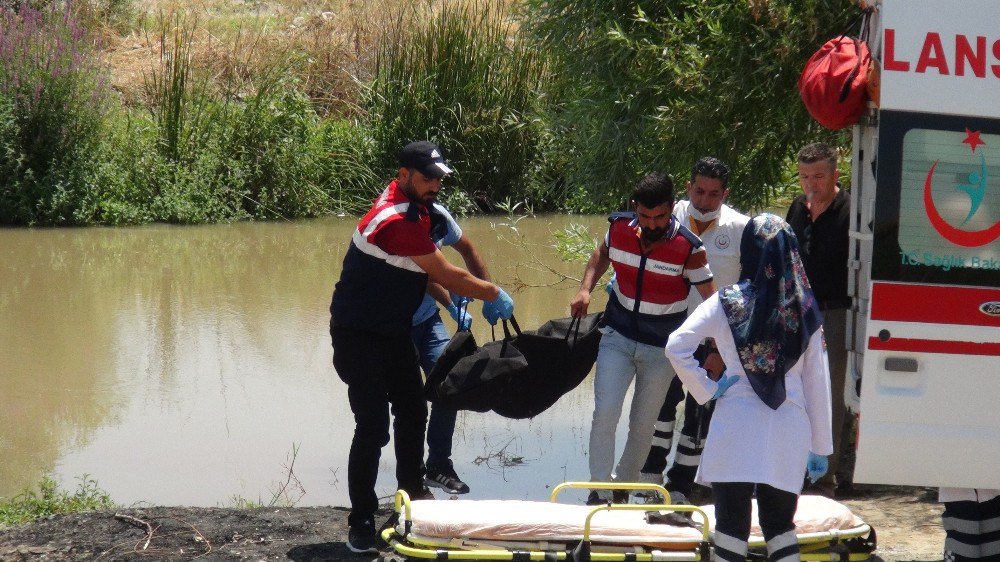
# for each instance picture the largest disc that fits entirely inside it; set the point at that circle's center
(48, 499)
(209, 152)
(53, 103)
(465, 78)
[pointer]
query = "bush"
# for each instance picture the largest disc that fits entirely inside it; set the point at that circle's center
(228, 151)
(53, 101)
(464, 78)
(652, 85)
(347, 172)
(50, 500)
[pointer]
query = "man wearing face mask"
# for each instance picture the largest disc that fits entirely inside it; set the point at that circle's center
(656, 259)
(720, 227)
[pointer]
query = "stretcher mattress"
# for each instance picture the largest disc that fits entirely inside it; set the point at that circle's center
(514, 520)
(814, 514)
(517, 520)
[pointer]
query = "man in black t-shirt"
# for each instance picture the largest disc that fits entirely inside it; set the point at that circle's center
(820, 218)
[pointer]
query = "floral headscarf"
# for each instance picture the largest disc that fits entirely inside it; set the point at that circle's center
(772, 311)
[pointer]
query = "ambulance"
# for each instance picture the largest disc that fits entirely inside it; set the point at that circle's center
(925, 248)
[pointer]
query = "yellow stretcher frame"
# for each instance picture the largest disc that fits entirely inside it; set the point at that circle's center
(403, 543)
(458, 549)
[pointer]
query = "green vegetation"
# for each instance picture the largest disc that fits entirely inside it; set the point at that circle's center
(53, 104)
(469, 80)
(295, 109)
(50, 500)
(655, 85)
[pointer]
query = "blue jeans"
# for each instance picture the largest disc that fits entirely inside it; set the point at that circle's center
(431, 337)
(621, 360)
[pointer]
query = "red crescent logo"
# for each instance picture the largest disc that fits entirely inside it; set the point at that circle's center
(961, 237)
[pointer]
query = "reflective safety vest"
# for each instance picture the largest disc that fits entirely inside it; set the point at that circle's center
(378, 291)
(650, 296)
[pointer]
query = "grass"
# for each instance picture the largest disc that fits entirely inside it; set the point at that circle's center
(48, 499)
(284, 493)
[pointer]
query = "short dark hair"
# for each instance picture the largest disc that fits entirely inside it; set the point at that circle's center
(711, 167)
(653, 190)
(817, 151)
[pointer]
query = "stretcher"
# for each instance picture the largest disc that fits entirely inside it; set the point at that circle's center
(523, 531)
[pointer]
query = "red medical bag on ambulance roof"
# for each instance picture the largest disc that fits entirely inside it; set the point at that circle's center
(834, 81)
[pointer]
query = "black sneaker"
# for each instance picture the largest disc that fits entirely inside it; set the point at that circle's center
(620, 496)
(423, 494)
(361, 539)
(446, 479)
(595, 499)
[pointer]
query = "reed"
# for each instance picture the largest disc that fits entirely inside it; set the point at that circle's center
(464, 77)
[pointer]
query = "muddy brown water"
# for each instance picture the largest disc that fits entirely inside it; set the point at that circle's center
(192, 365)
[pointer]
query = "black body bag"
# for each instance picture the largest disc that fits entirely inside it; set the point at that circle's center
(519, 376)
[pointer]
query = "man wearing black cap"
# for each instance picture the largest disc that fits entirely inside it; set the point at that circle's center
(385, 274)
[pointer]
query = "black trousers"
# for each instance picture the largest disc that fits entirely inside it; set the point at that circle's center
(680, 477)
(380, 372)
(733, 518)
(972, 530)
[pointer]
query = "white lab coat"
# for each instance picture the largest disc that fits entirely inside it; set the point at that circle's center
(747, 440)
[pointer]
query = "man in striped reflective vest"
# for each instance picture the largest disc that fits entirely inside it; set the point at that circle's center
(385, 274)
(656, 260)
(720, 228)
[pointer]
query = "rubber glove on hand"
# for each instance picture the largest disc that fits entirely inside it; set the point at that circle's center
(610, 287)
(725, 381)
(461, 316)
(500, 307)
(816, 466)
(459, 300)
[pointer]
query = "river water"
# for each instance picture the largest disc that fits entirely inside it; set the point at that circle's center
(192, 365)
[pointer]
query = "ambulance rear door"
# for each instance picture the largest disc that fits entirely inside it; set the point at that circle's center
(930, 397)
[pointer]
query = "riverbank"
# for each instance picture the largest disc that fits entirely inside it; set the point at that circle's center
(907, 520)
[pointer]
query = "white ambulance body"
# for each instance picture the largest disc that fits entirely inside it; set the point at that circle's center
(925, 268)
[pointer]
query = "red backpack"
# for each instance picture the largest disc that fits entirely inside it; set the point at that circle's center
(834, 82)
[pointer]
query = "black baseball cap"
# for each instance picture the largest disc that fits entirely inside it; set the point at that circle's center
(425, 157)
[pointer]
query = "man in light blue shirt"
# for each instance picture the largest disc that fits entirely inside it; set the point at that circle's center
(431, 338)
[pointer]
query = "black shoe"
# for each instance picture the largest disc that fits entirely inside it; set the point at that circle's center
(423, 494)
(446, 479)
(617, 496)
(595, 499)
(361, 539)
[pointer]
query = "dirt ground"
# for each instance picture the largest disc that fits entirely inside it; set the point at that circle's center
(907, 521)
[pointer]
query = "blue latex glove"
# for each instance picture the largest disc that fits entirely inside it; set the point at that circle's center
(459, 300)
(725, 381)
(461, 316)
(500, 307)
(816, 466)
(610, 287)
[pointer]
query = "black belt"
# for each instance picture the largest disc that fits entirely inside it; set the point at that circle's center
(834, 304)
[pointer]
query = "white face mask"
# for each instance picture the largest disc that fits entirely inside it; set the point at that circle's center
(703, 217)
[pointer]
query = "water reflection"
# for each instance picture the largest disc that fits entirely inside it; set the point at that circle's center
(178, 365)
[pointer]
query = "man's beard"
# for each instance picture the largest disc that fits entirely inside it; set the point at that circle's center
(411, 192)
(653, 234)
